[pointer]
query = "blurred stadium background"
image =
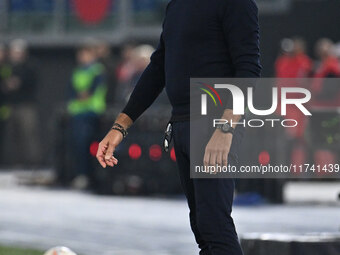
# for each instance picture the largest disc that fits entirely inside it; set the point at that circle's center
(44, 46)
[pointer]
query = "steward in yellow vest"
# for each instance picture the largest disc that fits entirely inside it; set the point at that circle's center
(88, 90)
(87, 103)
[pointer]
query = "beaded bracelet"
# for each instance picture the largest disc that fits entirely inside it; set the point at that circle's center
(120, 128)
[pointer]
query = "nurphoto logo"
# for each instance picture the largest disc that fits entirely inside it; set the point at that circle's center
(239, 106)
(239, 100)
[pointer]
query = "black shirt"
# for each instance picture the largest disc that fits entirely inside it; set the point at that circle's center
(26, 76)
(200, 38)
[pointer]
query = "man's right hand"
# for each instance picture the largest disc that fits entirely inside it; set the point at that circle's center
(108, 145)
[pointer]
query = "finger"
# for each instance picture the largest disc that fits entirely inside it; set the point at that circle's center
(109, 154)
(101, 161)
(213, 162)
(113, 160)
(109, 162)
(109, 151)
(100, 156)
(206, 158)
(101, 149)
(225, 159)
(219, 159)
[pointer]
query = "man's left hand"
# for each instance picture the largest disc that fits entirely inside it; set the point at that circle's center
(217, 149)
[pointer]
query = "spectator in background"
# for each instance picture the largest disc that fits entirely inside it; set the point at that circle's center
(19, 89)
(2, 65)
(4, 74)
(88, 86)
(4, 110)
(293, 61)
(104, 57)
(282, 63)
(134, 62)
(302, 62)
(126, 69)
(337, 50)
(326, 94)
(4, 69)
(329, 64)
(140, 60)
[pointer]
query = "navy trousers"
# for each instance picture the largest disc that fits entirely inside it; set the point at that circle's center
(210, 200)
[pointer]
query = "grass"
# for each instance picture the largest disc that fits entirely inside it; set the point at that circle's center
(18, 251)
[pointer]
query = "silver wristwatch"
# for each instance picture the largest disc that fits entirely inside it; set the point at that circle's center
(225, 128)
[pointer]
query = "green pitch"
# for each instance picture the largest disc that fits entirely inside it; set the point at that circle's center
(17, 251)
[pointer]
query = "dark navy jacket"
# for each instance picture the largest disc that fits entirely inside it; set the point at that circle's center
(200, 38)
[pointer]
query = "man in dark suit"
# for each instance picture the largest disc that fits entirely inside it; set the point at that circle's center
(200, 38)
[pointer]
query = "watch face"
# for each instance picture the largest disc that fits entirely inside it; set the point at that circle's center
(225, 127)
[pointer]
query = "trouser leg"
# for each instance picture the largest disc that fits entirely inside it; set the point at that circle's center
(181, 141)
(210, 200)
(83, 131)
(31, 146)
(214, 198)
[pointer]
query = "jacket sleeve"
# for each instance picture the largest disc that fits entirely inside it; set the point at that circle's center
(241, 30)
(149, 86)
